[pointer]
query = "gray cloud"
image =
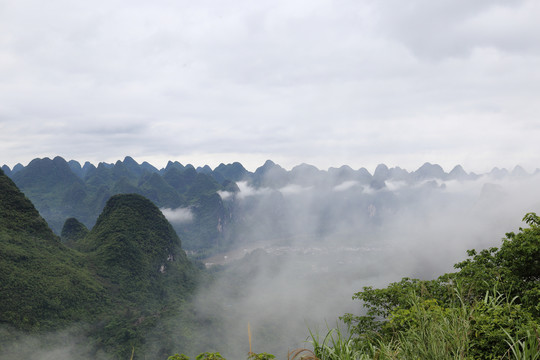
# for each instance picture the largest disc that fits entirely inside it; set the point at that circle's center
(455, 28)
(304, 81)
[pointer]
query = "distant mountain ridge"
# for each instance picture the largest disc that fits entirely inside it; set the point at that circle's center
(237, 172)
(63, 189)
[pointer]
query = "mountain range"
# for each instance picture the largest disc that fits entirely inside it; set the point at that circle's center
(215, 217)
(236, 171)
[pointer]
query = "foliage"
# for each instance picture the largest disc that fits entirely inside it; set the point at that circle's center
(130, 274)
(43, 284)
(178, 357)
(381, 303)
(73, 231)
(493, 318)
(515, 267)
(469, 314)
(135, 249)
(335, 346)
(18, 215)
(210, 356)
(260, 356)
(525, 348)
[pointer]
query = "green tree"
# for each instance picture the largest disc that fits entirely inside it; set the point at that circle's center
(494, 296)
(178, 357)
(210, 356)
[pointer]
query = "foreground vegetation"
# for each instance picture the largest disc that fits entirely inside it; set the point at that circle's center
(488, 309)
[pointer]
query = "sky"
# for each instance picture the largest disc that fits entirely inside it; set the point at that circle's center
(328, 83)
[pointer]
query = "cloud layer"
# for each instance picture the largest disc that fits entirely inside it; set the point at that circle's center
(323, 82)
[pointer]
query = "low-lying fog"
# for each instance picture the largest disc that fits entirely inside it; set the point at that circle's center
(318, 245)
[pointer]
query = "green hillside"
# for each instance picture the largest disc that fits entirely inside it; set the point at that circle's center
(73, 231)
(137, 255)
(122, 281)
(135, 249)
(43, 283)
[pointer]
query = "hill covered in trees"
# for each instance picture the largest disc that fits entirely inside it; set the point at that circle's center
(488, 309)
(119, 279)
(43, 283)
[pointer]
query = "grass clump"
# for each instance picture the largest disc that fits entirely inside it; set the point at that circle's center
(527, 347)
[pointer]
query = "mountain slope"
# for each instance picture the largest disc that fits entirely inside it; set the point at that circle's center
(43, 284)
(53, 188)
(127, 282)
(136, 250)
(73, 231)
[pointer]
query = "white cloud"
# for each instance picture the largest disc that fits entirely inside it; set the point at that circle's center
(246, 190)
(395, 185)
(346, 185)
(292, 189)
(178, 215)
(225, 194)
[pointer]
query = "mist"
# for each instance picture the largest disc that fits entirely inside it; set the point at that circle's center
(68, 344)
(305, 249)
(178, 216)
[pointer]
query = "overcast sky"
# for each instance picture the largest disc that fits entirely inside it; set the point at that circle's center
(328, 83)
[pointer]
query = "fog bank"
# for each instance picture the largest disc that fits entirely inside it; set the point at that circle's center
(310, 248)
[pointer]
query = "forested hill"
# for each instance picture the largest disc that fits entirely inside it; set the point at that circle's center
(137, 251)
(43, 283)
(18, 215)
(117, 281)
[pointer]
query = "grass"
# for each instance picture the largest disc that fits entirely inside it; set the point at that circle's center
(527, 348)
(335, 346)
